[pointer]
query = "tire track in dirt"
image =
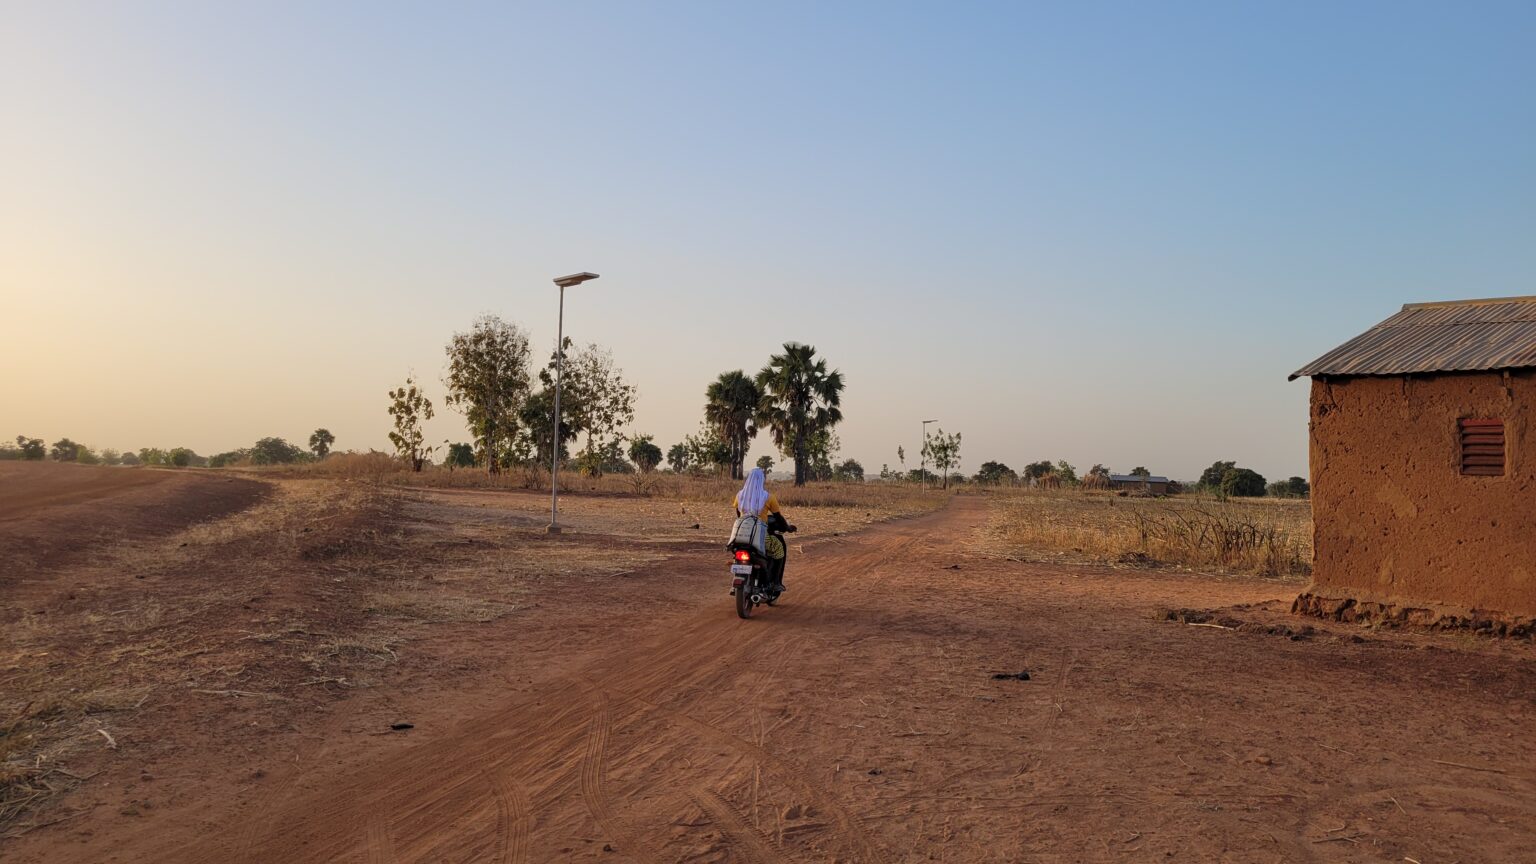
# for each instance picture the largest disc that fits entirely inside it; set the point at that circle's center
(594, 784)
(852, 828)
(755, 848)
(380, 845)
(513, 815)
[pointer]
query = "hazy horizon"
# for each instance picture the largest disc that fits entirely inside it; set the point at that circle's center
(1104, 233)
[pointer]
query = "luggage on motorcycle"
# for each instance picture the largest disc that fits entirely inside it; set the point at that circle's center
(750, 532)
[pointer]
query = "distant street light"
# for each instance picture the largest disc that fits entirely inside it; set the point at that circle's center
(554, 460)
(922, 471)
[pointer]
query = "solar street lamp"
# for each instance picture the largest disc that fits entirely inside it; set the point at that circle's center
(563, 282)
(922, 470)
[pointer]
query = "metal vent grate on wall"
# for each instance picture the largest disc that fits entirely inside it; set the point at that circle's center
(1482, 447)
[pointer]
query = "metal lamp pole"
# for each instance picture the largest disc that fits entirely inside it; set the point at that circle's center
(563, 282)
(922, 470)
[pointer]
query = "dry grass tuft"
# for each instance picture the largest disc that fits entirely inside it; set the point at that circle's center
(1259, 537)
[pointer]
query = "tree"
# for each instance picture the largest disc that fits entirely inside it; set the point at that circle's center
(820, 454)
(536, 439)
(1036, 470)
(180, 457)
(130, 459)
(730, 403)
(1099, 471)
(155, 456)
(86, 456)
(1210, 478)
(943, 451)
(677, 458)
(488, 381)
(595, 400)
(64, 450)
(901, 458)
(995, 473)
(1294, 487)
(1242, 483)
(707, 450)
(1139, 471)
(459, 456)
(270, 451)
(320, 442)
(765, 463)
(644, 453)
(111, 457)
(1066, 472)
(227, 458)
(31, 448)
(800, 397)
(850, 471)
(410, 407)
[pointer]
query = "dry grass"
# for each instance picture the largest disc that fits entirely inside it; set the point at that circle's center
(1260, 537)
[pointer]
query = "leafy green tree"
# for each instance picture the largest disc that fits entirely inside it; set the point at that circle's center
(320, 442)
(64, 450)
(1242, 483)
(595, 400)
(86, 456)
(459, 456)
(1036, 470)
(489, 380)
(821, 454)
(410, 407)
(1066, 472)
(229, 457)
(179, 457)
(943, 451)
(849, 471)
(153, 456)
(765, 463)
(800, 397)
(1294, 487)
(32, 449)
(644, 453)
(995, 474)
(1210, 478)
(131, 459)
(921, 475)
(1139, 471)
(1099, 471)
(111, 457)
(536, 439)
(678, 459)
(271, 451)
(707, 451)
(730, 404)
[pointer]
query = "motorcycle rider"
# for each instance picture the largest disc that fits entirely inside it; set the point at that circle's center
(754, 499)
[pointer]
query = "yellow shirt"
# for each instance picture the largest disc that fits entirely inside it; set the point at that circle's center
(771, 507)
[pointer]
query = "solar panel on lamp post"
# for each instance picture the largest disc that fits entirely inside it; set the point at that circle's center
(554, 459)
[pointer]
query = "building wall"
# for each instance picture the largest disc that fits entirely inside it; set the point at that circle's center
(1395, 521)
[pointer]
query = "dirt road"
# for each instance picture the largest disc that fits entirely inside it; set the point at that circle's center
(862, 721)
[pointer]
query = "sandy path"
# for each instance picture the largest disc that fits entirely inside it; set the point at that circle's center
(860, 722)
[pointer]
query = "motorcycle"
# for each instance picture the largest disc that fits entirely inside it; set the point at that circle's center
(752, 571)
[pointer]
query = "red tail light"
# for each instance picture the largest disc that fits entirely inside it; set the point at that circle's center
(743, 555)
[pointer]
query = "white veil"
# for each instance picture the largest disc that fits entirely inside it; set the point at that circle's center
(752, 497)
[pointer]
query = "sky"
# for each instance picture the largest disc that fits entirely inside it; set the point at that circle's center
(1100, 232)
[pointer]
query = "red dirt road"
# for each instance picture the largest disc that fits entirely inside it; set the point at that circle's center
(861, 722)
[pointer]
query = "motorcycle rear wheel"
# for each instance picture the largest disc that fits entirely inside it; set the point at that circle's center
(744, 599)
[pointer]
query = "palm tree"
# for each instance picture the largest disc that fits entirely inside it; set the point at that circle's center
(730, 405)
(799, 398)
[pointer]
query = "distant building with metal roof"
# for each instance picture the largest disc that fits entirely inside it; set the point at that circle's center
(1142, 483)
(1455, 336)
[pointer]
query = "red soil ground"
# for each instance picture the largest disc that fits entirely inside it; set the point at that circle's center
(637, 719)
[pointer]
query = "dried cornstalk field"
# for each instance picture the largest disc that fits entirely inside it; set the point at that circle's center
(1265, 537)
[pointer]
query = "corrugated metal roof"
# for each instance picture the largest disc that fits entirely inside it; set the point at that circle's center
(1458, 336)
(1135, 478)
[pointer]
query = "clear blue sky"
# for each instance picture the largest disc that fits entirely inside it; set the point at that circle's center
(1092, 231)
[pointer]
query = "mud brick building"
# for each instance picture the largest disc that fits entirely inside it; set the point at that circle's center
(1424, 470)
